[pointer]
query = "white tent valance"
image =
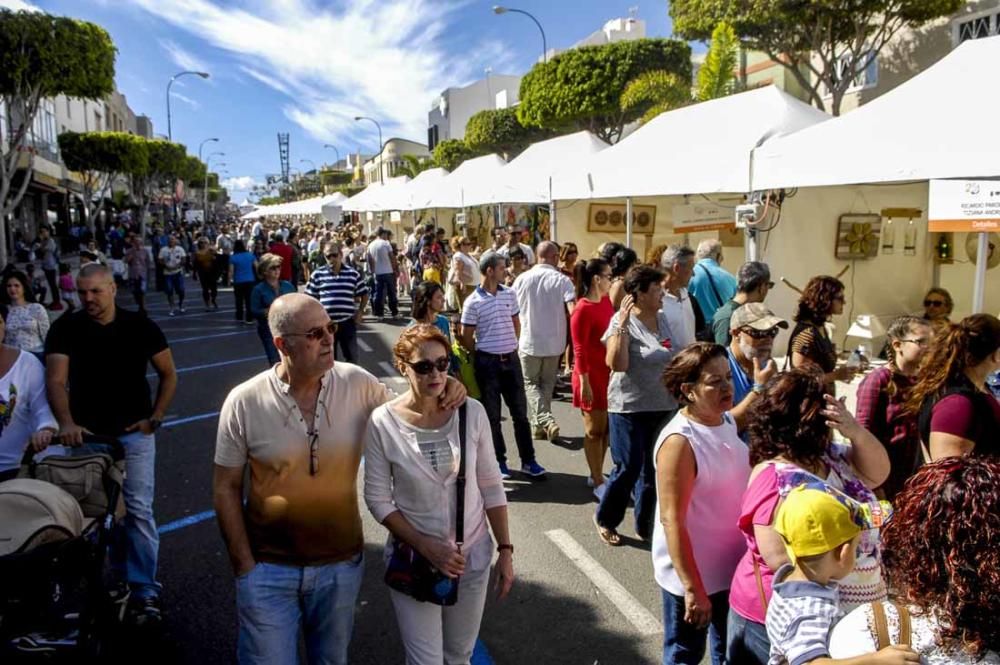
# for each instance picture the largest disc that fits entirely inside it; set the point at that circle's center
(472, 175)
(939, 124)
(699, 149)
(421, 188)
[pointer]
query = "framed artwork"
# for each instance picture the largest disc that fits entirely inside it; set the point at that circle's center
(610, 218)
(858, 236)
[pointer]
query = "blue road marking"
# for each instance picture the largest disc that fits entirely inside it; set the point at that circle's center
(189, 419)
(186, 521)
(480, 656)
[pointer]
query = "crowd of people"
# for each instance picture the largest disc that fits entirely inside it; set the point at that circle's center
(781, 524)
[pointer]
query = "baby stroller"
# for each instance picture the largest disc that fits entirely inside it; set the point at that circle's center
(56, 521)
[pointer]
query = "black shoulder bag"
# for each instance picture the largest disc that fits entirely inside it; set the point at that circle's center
(410, 572)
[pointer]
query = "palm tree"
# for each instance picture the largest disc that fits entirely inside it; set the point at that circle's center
(717, 76)
(414, 165)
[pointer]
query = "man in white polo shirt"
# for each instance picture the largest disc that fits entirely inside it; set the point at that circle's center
(296, 547)
(677, 262)
(545, 297)
(490, 328)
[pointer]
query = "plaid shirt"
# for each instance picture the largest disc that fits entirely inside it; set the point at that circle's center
(800, 617)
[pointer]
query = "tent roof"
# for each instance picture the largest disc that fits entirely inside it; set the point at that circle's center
(526, 178)
(364, 198)
(471, 175)
(387, 197)
(420, 188)
(702, 148)
(938, 124)
(313, 206)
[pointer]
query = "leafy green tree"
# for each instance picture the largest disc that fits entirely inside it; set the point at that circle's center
(43, 56)
(450, 153)
(499, 130)
(582, 88)
(164, 163)
(824, 44)
(99, 158)
(414, 165)
(717, 75)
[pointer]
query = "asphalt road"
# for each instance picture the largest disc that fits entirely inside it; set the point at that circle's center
(575, 600)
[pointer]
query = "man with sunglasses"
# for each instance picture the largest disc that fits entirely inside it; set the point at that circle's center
(297, 547)
(753, 285)
(515, 233)
(343, 293)
(754, 328)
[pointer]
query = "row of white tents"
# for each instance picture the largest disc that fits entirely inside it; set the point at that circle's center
(329, 206)
(939, 124)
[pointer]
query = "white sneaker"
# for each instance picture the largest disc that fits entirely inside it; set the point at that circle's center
(182, 310)
(173, 312)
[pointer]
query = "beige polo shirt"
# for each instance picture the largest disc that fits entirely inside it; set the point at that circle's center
(293, 517)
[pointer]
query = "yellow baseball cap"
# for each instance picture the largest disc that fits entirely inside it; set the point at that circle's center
(814, 521)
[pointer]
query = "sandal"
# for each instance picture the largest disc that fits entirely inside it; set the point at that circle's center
(609, 536)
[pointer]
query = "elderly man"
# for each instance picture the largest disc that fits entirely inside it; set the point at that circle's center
(96, 361)
(677, 262)
(514, 234)
(753, 286)
(297, 547)
(172, 258)
(545, 297)
(344, 295)
(754, 328)
(710, 284)
(490, 328)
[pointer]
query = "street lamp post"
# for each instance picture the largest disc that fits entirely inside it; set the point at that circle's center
(497, 9)
(381, 146)
(204, 75)
(336, 152)
(202, 145)
(205, 191)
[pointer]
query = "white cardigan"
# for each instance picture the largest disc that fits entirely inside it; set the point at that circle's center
(398, 477)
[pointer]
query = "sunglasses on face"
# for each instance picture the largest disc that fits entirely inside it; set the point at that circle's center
(333, 255)
(933, 303)
(760, 334)
(316, 334)
(425, 367)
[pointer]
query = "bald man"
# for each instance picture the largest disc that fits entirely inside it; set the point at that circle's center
(297, 547)
(545, 297)
(711, 284)
(96, 361)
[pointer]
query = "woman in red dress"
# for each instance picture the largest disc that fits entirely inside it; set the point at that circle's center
(587, 324)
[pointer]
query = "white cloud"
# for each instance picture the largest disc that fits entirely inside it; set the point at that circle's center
(187, 100)
(384, 58)
(241, 183)
(183, 58)
(18, 5)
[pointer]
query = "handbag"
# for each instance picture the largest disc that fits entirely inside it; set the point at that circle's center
(411, 573)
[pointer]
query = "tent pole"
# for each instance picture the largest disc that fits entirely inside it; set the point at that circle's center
(982, 258)
(552, 214)
(752, 248)
(628, 222)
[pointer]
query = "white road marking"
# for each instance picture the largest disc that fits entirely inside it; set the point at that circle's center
(363, 345)
(222, 363)
(389, 370)
(201, 337)
(634, 611)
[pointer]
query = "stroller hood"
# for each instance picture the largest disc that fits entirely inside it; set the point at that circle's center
(34, 512)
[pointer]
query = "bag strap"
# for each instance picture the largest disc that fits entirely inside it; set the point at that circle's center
(905, 630)
(711, 282)
(882, 624)
(460, 481)
(760, 584)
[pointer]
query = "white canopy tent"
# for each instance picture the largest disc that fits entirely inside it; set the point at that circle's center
(303, 208)
(421, 188)
(938, 124)
(699, 149)
(333, 209)
(472, 175)
(388, 196)
(527, 178)
(366, 197)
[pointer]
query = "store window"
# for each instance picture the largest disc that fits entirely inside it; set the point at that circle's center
(43, 131)
(866, 78)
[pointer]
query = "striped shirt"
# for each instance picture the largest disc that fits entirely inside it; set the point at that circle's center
(337, 291)
(800, 617)
(492, 315)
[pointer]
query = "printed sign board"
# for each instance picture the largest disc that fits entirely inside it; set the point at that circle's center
(964, 206)
(705, 216)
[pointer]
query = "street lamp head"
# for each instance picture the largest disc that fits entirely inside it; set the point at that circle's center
(204, 75)
(497, 9)
(358, 117)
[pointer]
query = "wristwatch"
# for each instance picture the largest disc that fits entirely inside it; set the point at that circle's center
(505, 546)
(154, 423)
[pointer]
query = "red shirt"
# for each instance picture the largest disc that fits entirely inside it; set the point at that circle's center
(959, 416)
(882, 415)
(284, 250)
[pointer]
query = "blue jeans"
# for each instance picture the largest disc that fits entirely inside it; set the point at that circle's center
(137, 545)
(264, 332)
(275, 602)
(503, 378)
(385, 284)
(683, 644)
(747, 641)
(174, 284)
(632, 439)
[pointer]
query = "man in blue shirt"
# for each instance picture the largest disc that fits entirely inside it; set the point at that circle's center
(343, 293)
(710, 284)
(754, 328)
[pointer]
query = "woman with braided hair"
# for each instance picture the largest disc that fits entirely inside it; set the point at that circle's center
(882, 395)
(956, 414)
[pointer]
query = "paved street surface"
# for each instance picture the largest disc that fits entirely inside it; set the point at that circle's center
(574, 600)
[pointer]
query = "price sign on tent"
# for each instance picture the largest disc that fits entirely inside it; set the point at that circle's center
(964, 206)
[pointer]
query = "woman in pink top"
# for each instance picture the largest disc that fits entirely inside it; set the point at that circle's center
(791, 443)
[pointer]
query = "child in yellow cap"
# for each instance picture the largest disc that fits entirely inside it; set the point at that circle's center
(821, 529)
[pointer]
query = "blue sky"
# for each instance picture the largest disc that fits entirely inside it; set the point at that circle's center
(306, 67)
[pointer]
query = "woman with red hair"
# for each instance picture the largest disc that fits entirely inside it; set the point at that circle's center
(942, 558)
